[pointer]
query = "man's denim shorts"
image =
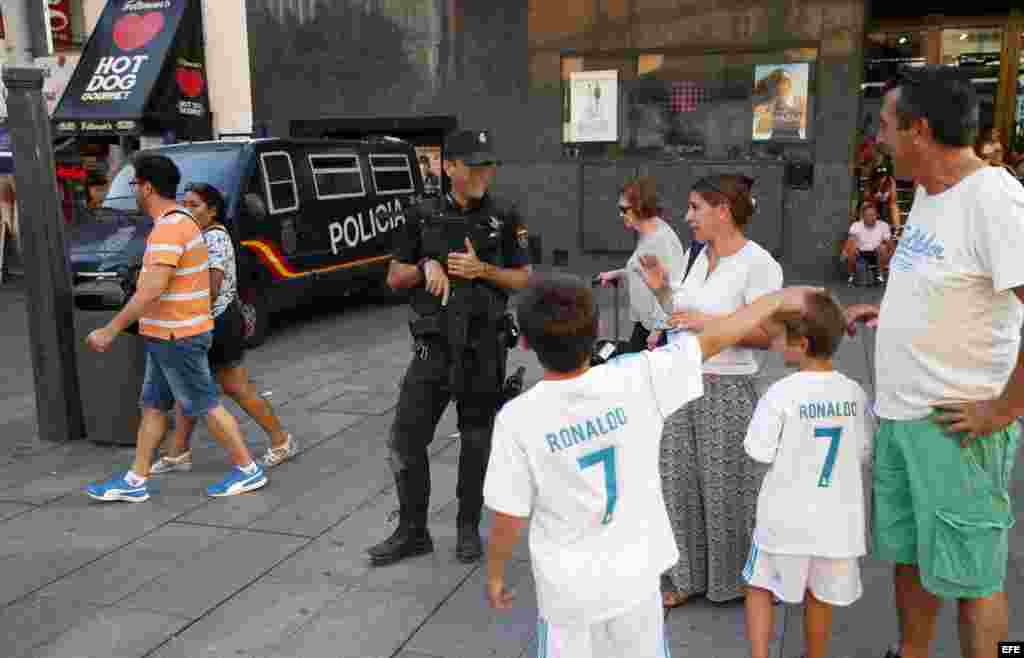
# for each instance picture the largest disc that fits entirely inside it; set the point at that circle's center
(179, 370)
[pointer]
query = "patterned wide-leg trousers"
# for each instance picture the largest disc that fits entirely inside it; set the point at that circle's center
(711, 487)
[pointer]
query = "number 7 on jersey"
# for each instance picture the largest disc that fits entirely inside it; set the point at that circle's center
(833, 434)
(607, 458)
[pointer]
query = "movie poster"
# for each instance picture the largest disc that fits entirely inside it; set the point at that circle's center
(593, 106)
(780, 102)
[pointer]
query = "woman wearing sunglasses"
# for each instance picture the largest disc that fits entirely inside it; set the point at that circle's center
(638, 207)
(206, 204)
(710, 484)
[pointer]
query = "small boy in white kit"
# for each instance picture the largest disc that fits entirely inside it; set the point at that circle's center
(814, 427)
(576, 458)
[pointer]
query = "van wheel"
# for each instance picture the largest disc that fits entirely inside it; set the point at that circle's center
(255, 315)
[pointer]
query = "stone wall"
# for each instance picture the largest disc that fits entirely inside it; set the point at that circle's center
(497, 65)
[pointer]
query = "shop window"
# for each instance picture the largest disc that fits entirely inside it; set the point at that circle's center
(337, 176)
(885, 53)
(391, 174)
(718, 105)
(279, 177)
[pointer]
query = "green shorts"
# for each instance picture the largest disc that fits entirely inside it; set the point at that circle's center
(942, 507)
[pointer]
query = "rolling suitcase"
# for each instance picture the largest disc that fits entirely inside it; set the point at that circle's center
(605, 349)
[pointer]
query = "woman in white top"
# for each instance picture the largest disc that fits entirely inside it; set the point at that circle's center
(710, 484)
(638, 206)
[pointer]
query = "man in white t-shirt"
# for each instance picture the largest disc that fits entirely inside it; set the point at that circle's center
(814, 428)
(950, 380)
(576, 456)
(870, 240)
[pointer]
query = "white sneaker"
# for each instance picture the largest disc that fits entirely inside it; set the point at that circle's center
(276, 456)
(168, 464)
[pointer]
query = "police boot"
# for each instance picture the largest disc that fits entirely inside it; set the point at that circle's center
(411, 537)
(469, 548)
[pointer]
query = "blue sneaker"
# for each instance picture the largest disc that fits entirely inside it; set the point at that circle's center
(116, 488)
(237, 482)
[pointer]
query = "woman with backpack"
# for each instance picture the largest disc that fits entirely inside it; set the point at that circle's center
(710, 484)
(206, 204)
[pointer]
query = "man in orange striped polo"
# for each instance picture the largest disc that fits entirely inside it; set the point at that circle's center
(172, 307)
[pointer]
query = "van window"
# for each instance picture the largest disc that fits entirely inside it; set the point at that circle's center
(391, 173)
(279, 176)
(337, 176)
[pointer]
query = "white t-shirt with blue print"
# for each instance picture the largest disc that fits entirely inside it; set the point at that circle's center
(581, 458)
(815, 429)
(950, 322)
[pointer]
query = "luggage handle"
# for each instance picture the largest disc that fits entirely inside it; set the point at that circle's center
(596, 282)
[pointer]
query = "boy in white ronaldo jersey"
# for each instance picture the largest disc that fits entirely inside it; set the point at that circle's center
(576, 457)
(814, 427)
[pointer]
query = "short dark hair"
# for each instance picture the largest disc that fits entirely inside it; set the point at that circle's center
(943, 96)
(211, 196)
(558, 317)
(729, 189)
(642, 194)
(159, 171)
(823, 324)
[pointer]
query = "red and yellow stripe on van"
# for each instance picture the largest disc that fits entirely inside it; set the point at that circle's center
(275, 261)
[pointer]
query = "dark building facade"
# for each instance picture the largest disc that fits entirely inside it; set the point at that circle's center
(691, 81)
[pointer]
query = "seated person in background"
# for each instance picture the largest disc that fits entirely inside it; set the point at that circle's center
(871, 240)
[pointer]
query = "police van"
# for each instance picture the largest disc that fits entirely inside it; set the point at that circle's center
(306, 216)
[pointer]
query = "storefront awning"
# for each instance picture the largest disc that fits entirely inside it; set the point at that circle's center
(142, 71)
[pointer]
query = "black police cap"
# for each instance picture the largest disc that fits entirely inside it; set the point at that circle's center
(474, 147)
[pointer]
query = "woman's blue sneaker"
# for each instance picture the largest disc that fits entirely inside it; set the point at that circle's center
(238, 482)
(115, 489)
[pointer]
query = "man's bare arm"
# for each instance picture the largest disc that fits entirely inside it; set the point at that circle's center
(1013, 394)
(507, 278)
(402, 276)
(152, 283)
(763, 312)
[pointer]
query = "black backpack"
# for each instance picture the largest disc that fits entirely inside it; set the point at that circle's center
(695, 249)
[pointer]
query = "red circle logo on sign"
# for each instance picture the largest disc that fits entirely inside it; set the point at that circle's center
(134, 31)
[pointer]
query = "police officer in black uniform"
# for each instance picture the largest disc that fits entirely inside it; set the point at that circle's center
(459, 255)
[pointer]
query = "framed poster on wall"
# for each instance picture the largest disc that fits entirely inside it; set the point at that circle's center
(781, 102)
(593, 107)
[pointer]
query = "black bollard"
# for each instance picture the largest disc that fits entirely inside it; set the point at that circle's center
(47, 277)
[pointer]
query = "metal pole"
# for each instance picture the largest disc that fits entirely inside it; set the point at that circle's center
(47, 276)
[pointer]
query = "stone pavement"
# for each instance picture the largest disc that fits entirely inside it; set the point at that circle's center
(281, 572)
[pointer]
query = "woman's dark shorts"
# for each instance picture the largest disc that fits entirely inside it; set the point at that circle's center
(228, 345)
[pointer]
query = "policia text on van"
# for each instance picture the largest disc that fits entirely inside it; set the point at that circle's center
(305, 216)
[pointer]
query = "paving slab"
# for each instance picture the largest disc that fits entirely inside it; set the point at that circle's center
(45, 544)
(713, 630)
(355, 624)
(326, 501)
(253, 623)
(112, 633)
(375, 403)
(124, 571)
(214, 575)
(10, 510)
(35, 621)
(466, 627)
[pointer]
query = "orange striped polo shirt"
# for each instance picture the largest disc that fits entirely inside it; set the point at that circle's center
(183, 309)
